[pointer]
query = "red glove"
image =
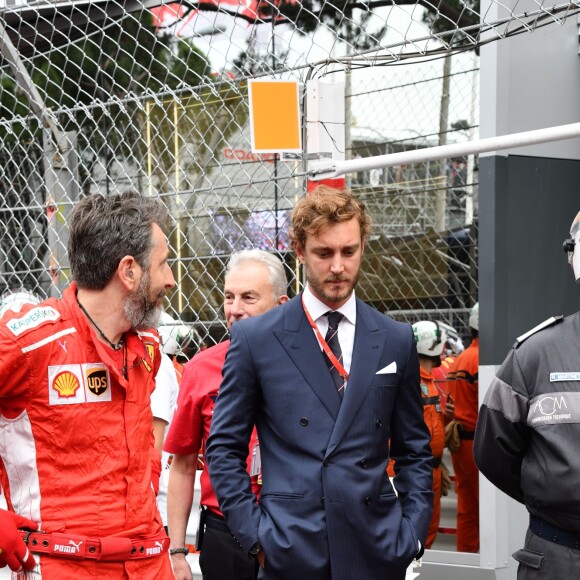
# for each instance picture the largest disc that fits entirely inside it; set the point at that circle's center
(13, 550)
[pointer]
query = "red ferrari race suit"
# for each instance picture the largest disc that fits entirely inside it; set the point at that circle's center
(77, 444)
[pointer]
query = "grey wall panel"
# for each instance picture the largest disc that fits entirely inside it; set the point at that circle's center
(526, 207)
(530, 81)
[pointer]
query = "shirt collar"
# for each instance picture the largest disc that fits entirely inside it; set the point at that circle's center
(316, 308)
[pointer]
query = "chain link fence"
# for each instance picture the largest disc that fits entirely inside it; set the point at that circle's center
(105, 96)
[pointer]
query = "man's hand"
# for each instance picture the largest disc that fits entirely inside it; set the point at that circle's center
(13, 551)
(181, 569)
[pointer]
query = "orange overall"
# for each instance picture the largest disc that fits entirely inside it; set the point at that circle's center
(436, 425)
(463, 387)
(433, 415)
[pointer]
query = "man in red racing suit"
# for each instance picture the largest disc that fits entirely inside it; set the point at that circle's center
(76, 428)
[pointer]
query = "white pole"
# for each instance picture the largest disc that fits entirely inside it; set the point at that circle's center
(471, 158)
(332, 168)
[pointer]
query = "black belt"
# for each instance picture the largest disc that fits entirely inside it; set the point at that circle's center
(431, 400)
(466, 434)
(437, 462)
(215, 522)
(543, 529)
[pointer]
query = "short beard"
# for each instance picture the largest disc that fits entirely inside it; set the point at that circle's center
(141, 312)
(319, 289)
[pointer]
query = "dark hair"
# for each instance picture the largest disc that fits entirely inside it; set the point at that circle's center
(105, 229)
(323, 207)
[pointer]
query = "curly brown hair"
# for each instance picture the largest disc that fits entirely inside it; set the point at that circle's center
(323, 207)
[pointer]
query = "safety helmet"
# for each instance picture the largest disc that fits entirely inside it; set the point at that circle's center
(454, 342)
(172, 333)
(570, 247)
(430, 338)
(15, 299)
(474, 317)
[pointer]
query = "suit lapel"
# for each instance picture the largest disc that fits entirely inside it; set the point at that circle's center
(300, 343)
(369, 341)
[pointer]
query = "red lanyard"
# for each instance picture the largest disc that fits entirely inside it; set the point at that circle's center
(335, 362)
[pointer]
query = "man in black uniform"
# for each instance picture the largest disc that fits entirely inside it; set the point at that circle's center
(527, 437)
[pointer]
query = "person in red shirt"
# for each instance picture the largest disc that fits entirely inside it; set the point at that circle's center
(76, 377)
(431, 338)
(255, 282)
(463, 390)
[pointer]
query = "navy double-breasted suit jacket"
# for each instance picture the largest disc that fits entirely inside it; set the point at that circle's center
(327, 508)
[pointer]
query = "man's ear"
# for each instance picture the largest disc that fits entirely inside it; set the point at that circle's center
(282, 299)
(299, 251)
(129, 272)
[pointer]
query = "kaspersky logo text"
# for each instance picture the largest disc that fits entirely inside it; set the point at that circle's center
(32, 319)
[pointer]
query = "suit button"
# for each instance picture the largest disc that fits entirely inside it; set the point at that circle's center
(322, 500)
(304, 421)
(363, 463)
(367, 500)
(379, 423)
(326, 462)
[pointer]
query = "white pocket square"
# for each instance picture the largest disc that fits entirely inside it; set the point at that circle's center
(389, 369)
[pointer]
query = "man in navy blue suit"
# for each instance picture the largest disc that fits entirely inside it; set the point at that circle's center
(333, 388)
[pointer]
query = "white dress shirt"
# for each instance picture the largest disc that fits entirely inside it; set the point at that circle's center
(346, 328)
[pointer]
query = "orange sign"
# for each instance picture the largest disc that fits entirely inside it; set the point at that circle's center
(275, 116)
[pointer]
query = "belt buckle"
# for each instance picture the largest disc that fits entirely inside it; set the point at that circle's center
(27, 533)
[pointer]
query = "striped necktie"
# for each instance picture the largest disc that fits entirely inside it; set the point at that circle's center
(331, 339)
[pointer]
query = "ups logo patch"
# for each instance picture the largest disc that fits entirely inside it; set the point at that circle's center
(97, 381)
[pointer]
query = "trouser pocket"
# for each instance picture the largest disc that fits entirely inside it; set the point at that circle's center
(528, 558)
(532, 565)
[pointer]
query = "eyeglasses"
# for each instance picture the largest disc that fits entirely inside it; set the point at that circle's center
(568, 245)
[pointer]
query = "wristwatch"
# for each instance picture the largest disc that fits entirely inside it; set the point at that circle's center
(255, 549)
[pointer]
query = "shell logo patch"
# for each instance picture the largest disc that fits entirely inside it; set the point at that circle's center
(81, 383)
(66, 384)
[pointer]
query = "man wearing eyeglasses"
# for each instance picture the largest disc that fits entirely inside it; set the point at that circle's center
(526, 439)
